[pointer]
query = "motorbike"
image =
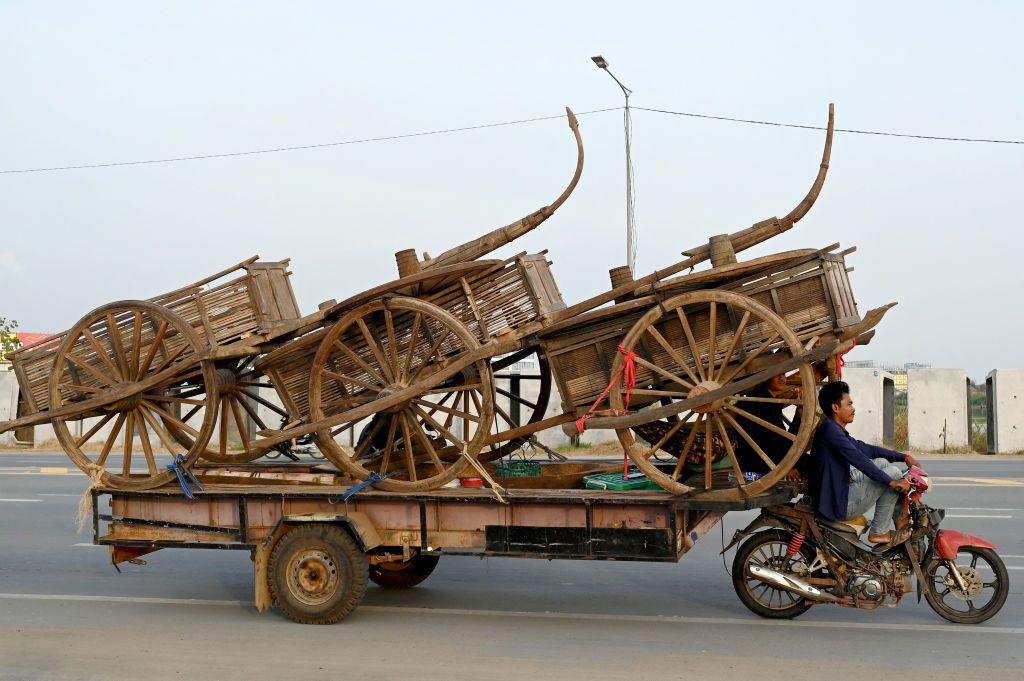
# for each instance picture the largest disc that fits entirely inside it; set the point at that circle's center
(792, 558)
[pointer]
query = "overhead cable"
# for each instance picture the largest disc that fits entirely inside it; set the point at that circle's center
(818, 127)
(445, 131)
(253, 152)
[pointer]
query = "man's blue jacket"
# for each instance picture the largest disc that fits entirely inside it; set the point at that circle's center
(832, 454)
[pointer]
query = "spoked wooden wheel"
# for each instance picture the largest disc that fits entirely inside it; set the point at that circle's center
(385, 347)
(699, 342)
(130, 357)
(238, 400)
(523, 400)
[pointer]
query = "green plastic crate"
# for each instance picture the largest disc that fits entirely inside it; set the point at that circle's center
(635, 480)
(517, 469)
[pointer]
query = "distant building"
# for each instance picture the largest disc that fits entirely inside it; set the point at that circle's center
(22, 340)
(898, 371)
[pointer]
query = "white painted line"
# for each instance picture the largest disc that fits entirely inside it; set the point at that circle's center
(90, 545)
(1009, 556)
(34, 473)
(951, 515)
(575, 616)
(29, 501)
(51, 494)
(971, 508)
(122, 599)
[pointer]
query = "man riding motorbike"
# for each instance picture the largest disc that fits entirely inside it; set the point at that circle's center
(847, 476)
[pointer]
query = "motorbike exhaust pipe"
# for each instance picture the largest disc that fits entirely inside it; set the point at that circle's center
(791, 583)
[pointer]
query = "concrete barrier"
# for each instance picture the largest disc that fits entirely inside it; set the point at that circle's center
(873, 393)
(938, 408)
(1005, 417)
(8, 403)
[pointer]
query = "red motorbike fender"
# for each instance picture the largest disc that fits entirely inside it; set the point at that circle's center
(948, 543)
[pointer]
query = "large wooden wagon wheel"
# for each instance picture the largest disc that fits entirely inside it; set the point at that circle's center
(128, 359)
(702, 341)
(387, 346)
(238, 400)
(521, 411)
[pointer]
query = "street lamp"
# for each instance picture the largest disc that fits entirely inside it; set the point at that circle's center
(628, 128)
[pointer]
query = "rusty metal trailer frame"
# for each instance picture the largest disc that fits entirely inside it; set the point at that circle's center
(649, 526)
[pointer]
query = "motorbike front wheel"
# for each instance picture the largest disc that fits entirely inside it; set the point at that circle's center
(986, 586)
(768, 549)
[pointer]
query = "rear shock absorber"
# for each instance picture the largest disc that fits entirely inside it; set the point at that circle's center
(795, 544)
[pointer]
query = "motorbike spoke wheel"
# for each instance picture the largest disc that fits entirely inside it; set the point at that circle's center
(985, 578)
(768, 549)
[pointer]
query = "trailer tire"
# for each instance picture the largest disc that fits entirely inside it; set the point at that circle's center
(403, 575)
(317, 574)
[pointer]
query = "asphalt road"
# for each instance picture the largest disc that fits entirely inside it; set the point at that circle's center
(66, 614)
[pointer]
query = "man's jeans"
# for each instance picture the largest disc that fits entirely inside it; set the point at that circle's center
(865, 493)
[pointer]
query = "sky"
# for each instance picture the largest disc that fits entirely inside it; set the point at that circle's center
(937, 225)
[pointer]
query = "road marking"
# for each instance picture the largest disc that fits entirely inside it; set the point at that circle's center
(29, 501)
(53, 470)
(90, 545)
(995, 482)
(951, 515)
(36, 473)
(123, 599)
(576, 616)
(971, 508)
(51, 494)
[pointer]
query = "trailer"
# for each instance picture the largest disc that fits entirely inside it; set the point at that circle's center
(316, 539)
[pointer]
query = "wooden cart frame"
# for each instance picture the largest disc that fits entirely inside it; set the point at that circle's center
(417, 356)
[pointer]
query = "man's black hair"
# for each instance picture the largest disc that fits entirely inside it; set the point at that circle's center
(832, 393)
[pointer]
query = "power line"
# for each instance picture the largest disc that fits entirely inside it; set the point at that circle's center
(818, 127)
(445, 131)
(275, 150)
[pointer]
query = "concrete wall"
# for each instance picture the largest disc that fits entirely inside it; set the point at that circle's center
(1006, 410)
(8, 403)
(937, 398)
(873, 402)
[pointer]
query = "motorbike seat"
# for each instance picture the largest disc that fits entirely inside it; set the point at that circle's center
(858, 525)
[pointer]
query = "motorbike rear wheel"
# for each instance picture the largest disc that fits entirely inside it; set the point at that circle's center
(944, 595)
(768, 549)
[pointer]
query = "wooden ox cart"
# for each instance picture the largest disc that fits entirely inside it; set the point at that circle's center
(674, 355)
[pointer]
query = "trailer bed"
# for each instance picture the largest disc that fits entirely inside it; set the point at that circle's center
(396, 528)
(541, 523)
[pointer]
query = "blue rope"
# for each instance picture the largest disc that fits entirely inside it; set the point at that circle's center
(356, 489)
(185, 477)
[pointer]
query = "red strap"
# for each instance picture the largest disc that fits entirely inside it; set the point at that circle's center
(628, 373)
(841, 359)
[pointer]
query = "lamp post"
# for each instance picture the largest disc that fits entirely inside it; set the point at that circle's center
(628, 128)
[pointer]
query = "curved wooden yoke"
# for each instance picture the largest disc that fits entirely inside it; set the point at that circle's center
(477, 248)
(766, 229)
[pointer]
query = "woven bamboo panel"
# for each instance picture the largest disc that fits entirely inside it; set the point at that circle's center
(34, 364)
(503, 298)
(221, 313)
(812, 296)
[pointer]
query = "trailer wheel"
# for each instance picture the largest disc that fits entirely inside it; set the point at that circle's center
(399, 574)
(317, 574)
